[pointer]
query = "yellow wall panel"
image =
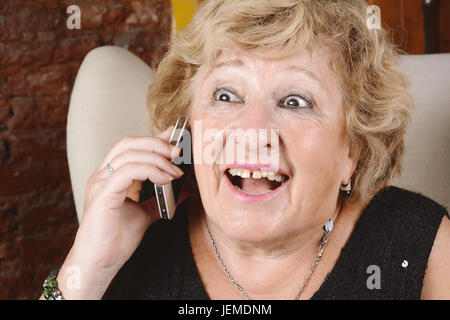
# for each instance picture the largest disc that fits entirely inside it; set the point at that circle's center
(183, 10)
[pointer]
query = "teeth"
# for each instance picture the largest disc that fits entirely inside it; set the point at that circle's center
(245, 173)
(256, 174)
(234, 171)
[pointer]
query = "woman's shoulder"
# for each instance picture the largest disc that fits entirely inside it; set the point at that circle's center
(402, 219)
(398, 202)
(428, 239)
(391, 241)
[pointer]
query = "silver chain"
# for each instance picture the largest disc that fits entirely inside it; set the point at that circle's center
(328, 228)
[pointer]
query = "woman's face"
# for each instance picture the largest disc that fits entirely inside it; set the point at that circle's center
(298, 100)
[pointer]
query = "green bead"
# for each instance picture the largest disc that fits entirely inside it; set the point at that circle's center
(48, 294)
(52, 283)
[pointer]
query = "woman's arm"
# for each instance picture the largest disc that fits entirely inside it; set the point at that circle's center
(87, 283)
(436, 283)
(112, 225)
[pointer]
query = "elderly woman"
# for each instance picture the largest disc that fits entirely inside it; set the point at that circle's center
(322, 224)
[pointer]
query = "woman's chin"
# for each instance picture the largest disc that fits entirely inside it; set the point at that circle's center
(247, 217)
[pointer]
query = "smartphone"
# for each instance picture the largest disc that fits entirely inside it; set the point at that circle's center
(167, 195)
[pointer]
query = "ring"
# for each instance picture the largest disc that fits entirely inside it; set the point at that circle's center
(109, 169)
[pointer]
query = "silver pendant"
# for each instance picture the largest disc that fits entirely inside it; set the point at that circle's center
(328, 226)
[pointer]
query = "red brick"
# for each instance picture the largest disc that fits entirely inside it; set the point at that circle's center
(10, 286)
(53, 111)
(25, 118)
(32, 114)
(4, 54)
(8, 245)
(39, 59)
(9, 268)
(115, 14)
(15, 182)
(4, 113)
(12, 26)
(22, 53)
(51, 20)
(143, 13)
(75, 48)
(50, 245)
(5, 152)
(50, 80)
(92, 15)
(43, 174)
(45, 146)
(9, 220)
(14, 81)
(44, 217)
(4, 8)
(26, 19)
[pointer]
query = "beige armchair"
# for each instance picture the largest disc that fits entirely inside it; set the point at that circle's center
(108, 102)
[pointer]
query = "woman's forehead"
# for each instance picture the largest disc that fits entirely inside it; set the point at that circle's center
(315, 63)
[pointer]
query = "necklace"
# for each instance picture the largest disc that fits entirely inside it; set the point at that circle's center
(327, 228)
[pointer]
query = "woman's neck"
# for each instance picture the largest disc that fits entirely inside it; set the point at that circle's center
(265, 270)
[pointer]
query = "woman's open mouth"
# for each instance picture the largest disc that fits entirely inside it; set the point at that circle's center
(255, 183)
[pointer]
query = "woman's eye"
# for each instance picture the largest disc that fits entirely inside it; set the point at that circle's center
(296, 102)
(225, 95)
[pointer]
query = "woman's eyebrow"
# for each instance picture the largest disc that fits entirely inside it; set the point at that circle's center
(309, 73)
(241, 63)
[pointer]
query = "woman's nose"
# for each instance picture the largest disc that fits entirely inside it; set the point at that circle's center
(254, 130)
(255, 117)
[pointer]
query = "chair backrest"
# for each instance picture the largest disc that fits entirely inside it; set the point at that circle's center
(108, 103)
(426, 166)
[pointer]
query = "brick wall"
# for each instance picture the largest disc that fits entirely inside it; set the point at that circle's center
(39, 58)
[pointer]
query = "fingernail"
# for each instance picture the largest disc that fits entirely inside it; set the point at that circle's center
(175, 152)
(180, 172)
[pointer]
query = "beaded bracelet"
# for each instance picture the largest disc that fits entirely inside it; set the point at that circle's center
(51, 291)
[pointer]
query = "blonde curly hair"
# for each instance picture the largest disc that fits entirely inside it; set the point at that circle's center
(376, 100)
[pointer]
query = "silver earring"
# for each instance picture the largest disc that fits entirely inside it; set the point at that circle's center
(347, 189)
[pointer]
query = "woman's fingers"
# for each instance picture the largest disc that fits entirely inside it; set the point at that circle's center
(165, 135)
(120, 179)
(134, 159)
(139, 156)
(158, 144)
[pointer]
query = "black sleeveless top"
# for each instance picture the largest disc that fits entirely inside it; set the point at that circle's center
(395, 233)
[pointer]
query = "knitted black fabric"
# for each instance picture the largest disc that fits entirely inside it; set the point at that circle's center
(397, 225)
